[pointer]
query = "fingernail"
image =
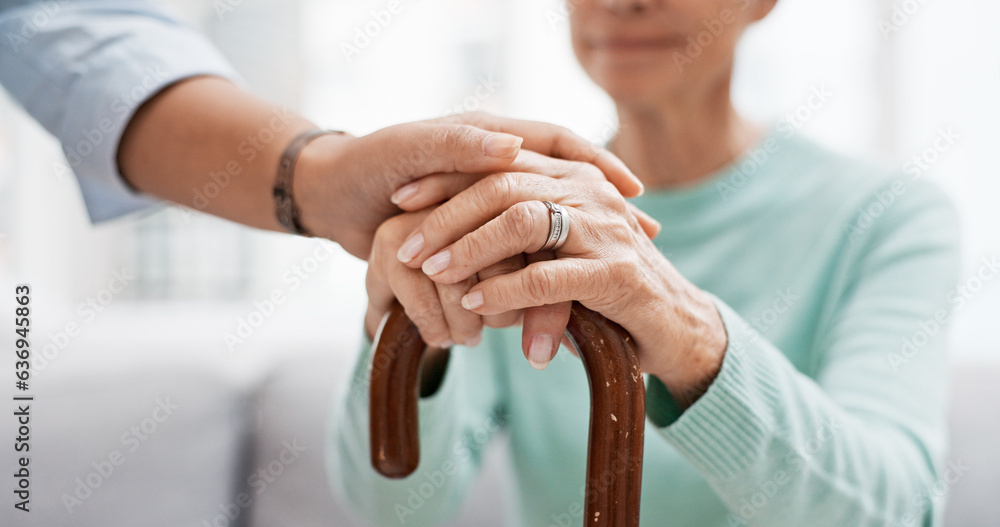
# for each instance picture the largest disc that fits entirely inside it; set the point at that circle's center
(446, 344)
(540, 352)
(437, 263)
(411, 248)
(474, 341)
(502, 145)
(472, 300)
(405, 192)
(623, 167)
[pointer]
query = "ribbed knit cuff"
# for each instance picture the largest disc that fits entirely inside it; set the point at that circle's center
(726, 429)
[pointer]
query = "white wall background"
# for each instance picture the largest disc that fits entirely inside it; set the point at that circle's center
(197, 277)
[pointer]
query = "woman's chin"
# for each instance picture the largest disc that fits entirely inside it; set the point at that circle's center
(634, 88)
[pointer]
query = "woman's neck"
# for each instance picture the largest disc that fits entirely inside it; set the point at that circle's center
(682, 140)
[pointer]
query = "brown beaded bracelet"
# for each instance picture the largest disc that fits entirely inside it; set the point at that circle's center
(284, 201)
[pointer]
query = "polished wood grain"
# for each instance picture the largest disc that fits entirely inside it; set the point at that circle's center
(617, 414)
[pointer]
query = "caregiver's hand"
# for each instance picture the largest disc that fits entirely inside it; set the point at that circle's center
(607, 263)
(346, 187)
(208, 144)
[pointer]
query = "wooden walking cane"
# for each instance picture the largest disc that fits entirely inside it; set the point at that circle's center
(617, 413)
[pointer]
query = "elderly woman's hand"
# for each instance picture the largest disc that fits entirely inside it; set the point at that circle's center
(436, 308)
(607, 263)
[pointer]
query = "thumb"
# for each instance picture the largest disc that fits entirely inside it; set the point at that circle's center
(409, 151)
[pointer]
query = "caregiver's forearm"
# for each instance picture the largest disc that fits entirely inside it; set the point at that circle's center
(207, 144)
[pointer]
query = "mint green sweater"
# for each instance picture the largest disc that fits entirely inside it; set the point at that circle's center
(832, 278)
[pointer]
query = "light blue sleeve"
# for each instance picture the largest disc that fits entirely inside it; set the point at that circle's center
(82, 68)
(863, 444)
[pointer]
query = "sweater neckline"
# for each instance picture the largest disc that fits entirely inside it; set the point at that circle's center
(724, 192)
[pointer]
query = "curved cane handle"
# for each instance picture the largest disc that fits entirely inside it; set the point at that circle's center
(617, 412)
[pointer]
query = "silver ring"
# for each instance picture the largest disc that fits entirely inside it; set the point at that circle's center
(558, 227)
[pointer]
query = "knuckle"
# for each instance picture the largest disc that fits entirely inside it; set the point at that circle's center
(584, 171)
(617, 278)
(385, 243)
(617, 231)
(520, 220)
(385, 231)
(502, 186)
(435, 223)
(591, 171)
(395, 227)
(468, 247)
(633, 222)
(608, 194)
(425, 313)
(564, 134)
(539, 282)
(587, 151)
(604, 276)
(605, 193)
(620, 272)
(452, 294)
(459, 136)
(442, 135)
(605, 188)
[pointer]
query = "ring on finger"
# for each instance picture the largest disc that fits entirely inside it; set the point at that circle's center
(558, 227)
